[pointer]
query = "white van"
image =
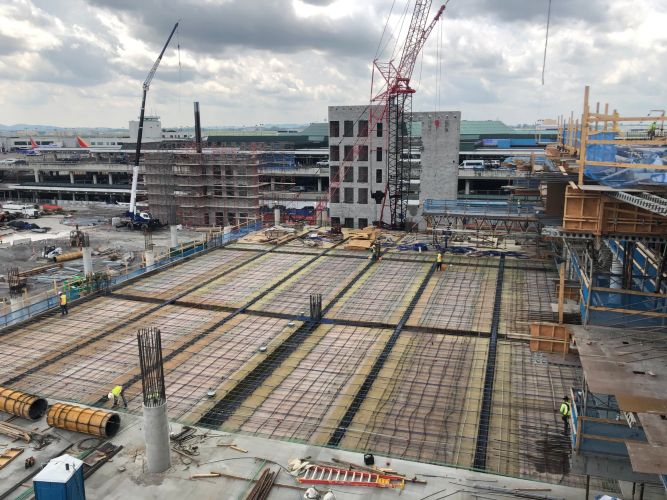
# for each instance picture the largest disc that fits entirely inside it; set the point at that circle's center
(476, 164)
(24, 210)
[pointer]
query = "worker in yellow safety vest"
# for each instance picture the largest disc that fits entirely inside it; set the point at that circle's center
(63, 303)
(651, 130)
(565, 411)
(117, 394)
(439, 261)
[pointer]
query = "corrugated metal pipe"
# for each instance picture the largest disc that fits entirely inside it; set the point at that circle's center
(77, 254)
(22, 404)
(86, 420)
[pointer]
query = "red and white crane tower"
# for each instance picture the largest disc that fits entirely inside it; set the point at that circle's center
(392, 104)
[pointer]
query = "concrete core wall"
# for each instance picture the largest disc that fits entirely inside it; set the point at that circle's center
(438, 168)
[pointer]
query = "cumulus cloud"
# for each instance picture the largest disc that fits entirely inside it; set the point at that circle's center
(82, 62)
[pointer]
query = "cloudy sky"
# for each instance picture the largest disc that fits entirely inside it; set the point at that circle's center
(82, 62)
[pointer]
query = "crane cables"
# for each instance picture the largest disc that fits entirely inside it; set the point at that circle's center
(546, 41)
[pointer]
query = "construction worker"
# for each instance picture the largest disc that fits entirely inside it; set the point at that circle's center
(375, 251)
(565, 411)
(439, 261)
(63, 303)
(651, 130)
(117, 394)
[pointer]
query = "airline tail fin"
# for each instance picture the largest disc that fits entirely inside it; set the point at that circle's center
(81, 142)
(33, 143)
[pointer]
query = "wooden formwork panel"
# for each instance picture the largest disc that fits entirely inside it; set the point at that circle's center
(549, 337)
(592, 212)
(583, 211)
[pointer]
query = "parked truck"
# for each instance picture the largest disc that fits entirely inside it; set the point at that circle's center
(30, 211)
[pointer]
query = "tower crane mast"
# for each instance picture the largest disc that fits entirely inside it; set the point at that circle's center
(392, 104)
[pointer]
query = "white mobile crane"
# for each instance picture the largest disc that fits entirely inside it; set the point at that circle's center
(143, 219)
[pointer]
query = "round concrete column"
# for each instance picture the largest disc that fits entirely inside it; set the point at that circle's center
(150, 258)
(174, 236)
(87, 260)
(276, 216)
(156, 435)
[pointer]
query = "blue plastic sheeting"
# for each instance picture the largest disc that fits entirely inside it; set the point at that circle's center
(619, 177)
(73, 293)
(278, 161)
(479, 207)
(641, 266)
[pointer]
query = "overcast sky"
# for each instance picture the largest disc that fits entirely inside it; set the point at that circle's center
(82, 62)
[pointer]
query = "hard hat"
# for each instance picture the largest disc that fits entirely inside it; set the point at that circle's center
(311, 494)
(110, 396)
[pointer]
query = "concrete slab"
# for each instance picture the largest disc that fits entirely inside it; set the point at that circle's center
(125, 476)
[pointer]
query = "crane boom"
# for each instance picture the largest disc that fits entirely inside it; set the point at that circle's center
(140, 131)
(417, 36)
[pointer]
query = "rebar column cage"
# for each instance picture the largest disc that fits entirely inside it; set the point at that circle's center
(316, 306)
(148, 239)
(152, 372)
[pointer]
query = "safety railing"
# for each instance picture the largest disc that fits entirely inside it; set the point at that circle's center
(74, 292)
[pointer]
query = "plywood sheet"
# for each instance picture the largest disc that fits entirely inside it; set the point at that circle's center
(647, 459)
(655, 428)
(630, 402)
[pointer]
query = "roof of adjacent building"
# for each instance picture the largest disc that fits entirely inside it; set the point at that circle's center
(483, 127)
(316, 129)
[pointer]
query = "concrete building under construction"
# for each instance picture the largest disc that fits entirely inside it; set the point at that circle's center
(216, 188)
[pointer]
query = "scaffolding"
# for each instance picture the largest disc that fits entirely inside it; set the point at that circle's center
(215, 188)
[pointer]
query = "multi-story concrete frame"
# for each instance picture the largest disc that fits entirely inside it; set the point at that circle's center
(358, 159)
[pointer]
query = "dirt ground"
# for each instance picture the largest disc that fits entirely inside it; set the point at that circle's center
(23, 249)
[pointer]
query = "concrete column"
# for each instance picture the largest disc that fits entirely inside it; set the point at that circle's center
(150, 258)
(156, 435)
(319, 184)
(467, 186)
(276, 216)
(273, 183)
(174, 235)
(87, 260)
(71, 177)
(110, 178)
(15, 303)
(37, 179)
(94, 178)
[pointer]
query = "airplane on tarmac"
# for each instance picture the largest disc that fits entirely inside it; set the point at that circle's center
(83, 146)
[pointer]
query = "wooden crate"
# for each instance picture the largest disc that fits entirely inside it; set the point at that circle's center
(593, 212)
(549, 337)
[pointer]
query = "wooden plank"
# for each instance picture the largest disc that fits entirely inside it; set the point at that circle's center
(650, 314)
(628, 292)
(647, 459)
(8, 455)
(650, 166)
(600, 117)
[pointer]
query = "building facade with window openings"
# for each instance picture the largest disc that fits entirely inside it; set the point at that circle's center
(358, 167)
